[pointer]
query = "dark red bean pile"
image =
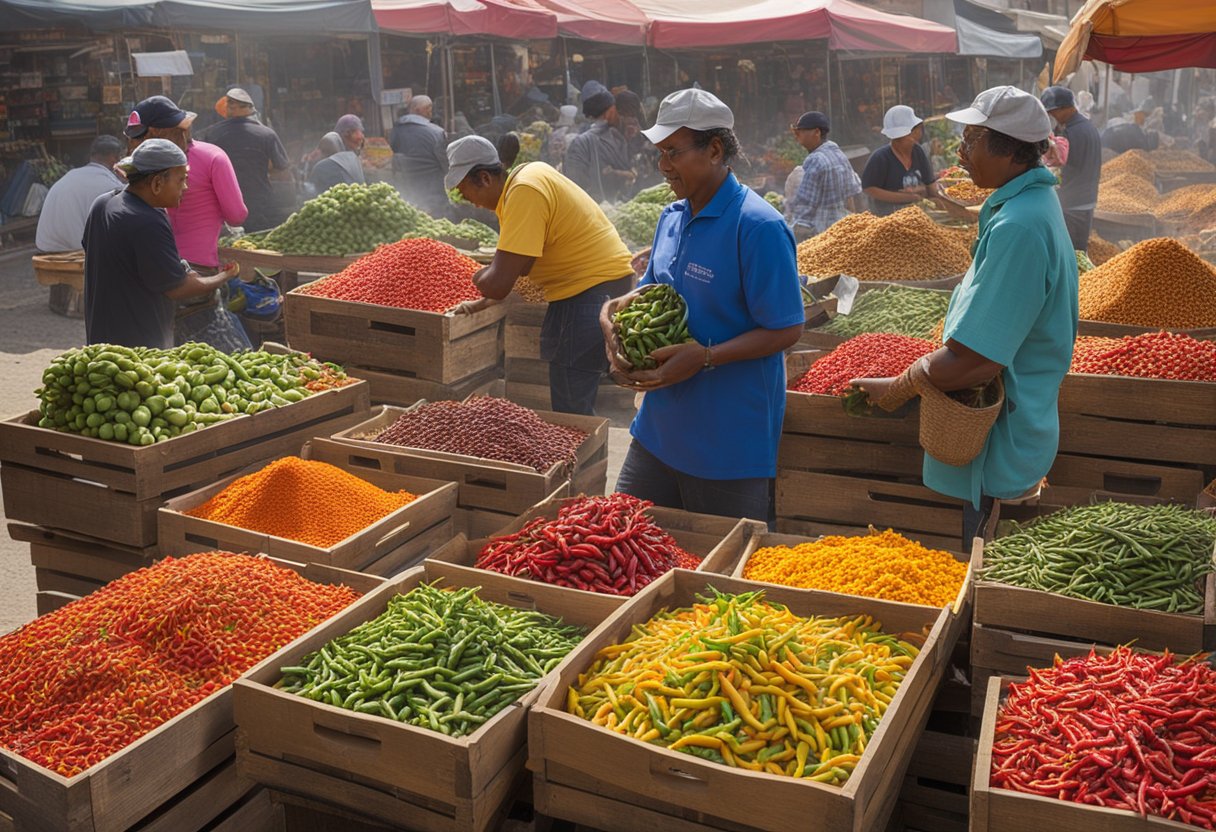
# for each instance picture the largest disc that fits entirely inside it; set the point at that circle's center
(599, 544)
(489, 428)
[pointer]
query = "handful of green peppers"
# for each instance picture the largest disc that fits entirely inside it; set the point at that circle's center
(657, 317)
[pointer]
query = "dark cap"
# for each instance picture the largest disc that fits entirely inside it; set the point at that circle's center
(1055, 98)
(813, 120)
(596, 99)
(157, 111)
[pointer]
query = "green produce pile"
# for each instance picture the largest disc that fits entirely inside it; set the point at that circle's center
(776, 200)
(660, 194)
(637, 219)
(658, 317)
(1084, 264)
(1147, 557)
(143, 395)
(467, 229)
(346, 219)
(899, 310)
(440, 659)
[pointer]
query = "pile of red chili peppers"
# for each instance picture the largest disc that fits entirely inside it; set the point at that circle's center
(1168, 355)
(85, 681)
(1126, 731)
(601, 544)
(417, 274)
(872, 355)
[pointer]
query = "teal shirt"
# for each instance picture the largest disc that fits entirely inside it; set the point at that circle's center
(1017, 306)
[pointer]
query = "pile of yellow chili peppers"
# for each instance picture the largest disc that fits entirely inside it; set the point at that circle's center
(745, 682)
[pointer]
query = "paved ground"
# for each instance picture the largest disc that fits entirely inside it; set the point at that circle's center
(30, 336)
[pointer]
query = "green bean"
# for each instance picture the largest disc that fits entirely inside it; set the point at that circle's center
(900, 310)
(439, 659)
(1146, 557)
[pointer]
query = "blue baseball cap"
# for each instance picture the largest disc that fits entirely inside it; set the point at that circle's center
(157, 111)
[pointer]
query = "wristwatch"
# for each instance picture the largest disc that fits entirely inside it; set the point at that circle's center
(709, 359)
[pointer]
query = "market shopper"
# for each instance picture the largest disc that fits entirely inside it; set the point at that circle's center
(337, 165)
(67, 204)
(828, 185)
(1078, 190)
(133, 273)
(420, 156)
(898, 174)
(1015, 313)
(254, 150)
(555, 234)
(705, 439)
(597, 160)
(350, 128)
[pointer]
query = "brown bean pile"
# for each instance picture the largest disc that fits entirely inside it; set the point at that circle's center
(1135, 162)
(906, 245)
(1101, 250)
(1127, 194)
(1156, 283)
(488, 428)
(1182, 203)
(1202, 220)
(968, 193)
(1179, 161)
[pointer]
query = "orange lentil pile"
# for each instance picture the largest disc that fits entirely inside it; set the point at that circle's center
(1101, 250)
(882, 565)
(1179, 161)
(1158, 283)
(1183, 203)
(1127, 194)
(1134, 162)
(87, 680)
(304, 500)
(906, 245)
(968, 193)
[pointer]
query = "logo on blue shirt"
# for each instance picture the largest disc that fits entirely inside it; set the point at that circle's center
(698, 272)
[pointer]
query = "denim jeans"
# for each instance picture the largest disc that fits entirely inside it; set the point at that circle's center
(645, 476)
(572, 343)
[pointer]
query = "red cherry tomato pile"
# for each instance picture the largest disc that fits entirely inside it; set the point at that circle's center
(872, 355)
(1167, 355)
(600, 544)
(85, 681)
(1126, 731)
(417, 274)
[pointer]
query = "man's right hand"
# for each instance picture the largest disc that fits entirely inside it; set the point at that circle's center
(612, 343)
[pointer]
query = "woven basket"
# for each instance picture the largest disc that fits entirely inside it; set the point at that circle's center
(951, 432)
(55, 269)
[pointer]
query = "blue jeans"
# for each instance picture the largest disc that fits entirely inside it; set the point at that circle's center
(646, 477)
(572, 343)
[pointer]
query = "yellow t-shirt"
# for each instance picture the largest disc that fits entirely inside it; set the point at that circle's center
(543, 214)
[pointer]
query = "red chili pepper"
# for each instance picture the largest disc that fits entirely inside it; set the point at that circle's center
(873, 355)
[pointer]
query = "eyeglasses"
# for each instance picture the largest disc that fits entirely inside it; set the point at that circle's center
(672, 153)
(970, 135)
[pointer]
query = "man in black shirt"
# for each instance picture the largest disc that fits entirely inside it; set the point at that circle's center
(132, 272)
(1078, 190)
(254, 149)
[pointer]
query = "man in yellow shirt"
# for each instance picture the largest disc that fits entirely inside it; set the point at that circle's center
(551, 231)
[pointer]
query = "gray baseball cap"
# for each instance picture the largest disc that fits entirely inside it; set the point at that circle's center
(238, 94)
(153, 155)
(464, 155)
(1007, 110)
(692, 108)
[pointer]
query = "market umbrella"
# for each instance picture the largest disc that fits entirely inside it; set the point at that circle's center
(1141, 35)
(501, 18)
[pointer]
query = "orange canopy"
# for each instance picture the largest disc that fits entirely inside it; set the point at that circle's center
(1119, 30)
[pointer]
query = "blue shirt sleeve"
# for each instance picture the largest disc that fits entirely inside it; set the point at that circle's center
(810, 189)
(1006, 294)
(770, 275)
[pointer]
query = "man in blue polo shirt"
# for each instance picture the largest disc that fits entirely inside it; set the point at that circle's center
(705, 439)
(1014, 313)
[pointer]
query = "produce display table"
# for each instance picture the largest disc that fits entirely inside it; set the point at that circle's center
(288, 266)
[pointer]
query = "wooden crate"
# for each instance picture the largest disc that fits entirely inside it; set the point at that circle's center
(521, 338)
(132, 783)
(88, 558)
(388, 387)
(111, 490)
(383, 548)
(390, 771)
(307, 815)
(1156, 420)
(1002, 810)
(816, 415)
(1040, 613)
(487, 484)
(934, 796)
(583, 771)
(444, 348)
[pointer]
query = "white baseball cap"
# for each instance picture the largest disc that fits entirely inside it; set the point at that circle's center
(466, 153)
(1007, 110)
(692, 108)
(899, 121)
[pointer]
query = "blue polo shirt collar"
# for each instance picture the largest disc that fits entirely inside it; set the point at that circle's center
(728, 192)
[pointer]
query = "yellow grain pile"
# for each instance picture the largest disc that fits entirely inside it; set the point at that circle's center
(906, 245)
(1100, 250)
(1134, 162)
(968, 193)
(1179, 161)
(1182, 203)
(1156, 283)
(1127, 194)
(1202, 220)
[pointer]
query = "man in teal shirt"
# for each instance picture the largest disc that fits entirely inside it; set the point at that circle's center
(1014, 313)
